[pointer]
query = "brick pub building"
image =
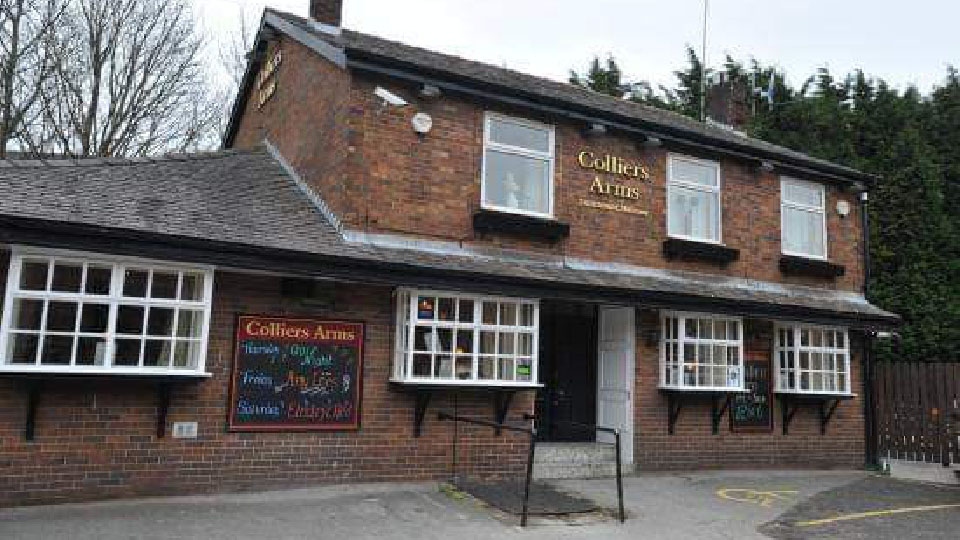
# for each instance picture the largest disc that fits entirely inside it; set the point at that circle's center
(392, 232)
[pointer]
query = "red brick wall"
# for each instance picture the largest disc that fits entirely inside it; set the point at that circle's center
(98, 439)
(693, 446)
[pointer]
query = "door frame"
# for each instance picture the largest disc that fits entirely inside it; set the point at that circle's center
(627, 431)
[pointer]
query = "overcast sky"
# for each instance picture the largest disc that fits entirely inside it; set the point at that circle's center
(903, 43)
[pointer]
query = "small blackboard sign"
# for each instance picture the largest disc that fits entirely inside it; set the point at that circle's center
(750, 411)
(296, 375)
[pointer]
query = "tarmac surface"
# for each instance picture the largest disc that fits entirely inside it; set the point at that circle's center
(719, 505)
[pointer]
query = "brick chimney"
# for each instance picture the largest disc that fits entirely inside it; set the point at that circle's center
(327, 11)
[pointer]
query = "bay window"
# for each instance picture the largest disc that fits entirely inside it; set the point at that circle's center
(518, 162)
(812, 360)
(462, 339)
(701, 352)
(69, 313)
(693, 199)
(803, 218)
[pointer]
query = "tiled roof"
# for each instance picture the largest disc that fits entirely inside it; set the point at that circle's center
(364, 46)
(250, 200)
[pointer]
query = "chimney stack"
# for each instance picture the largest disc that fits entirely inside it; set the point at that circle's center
(327, 11)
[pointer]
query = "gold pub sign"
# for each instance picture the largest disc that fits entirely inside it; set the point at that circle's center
(624, 170)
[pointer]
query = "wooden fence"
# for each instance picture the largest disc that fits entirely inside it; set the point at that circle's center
(918, 411)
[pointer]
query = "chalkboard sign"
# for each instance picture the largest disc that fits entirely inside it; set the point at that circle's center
(750, 411)
(296, 375)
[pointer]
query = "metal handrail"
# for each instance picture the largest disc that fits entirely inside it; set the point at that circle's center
(531, 432)
(616, 437)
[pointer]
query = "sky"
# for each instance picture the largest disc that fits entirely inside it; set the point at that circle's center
(902, 43)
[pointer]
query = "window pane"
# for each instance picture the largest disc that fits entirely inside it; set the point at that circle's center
(466, 311)
(524, 369)
(164, 285)
(426, 307)
(160, 322)
(694, 213)
(526, 315)
(525, 344)
(488, 342)
(157, 353)
(130, 320)
(22, 348)
(506, 343)
(464, 368)
(421, 365)
(508, 314)
(805, 194)
(518, 182)
(190, 323)
(803, 232)
(126, 352)
(33, 275)
(445, 309)
(57, 350)
(489, 313)
(464, 341)
(98, 280)
(443, 367)
(135, 283)
(693, 172)
(62, 316)
(27, 314)
(186, 354)
(485, 368)
(192, 287)
(67, 277)
(505, 369)
(94, 318)
(91, 351)
(423, 339)
(444, 339)
(519, 135)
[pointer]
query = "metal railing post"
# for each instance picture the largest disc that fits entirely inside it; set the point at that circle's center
(623, 517)
(526, 487)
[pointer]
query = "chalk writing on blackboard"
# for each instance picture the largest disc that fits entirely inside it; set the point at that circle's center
(751, 410)
(296, 374)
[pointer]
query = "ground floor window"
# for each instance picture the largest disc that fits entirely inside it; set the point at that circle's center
(465, 339)
(701, 352)
(812, 359)
(67, 312)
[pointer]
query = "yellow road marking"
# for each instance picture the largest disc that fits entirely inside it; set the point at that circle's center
(763, 498)
(875, 513)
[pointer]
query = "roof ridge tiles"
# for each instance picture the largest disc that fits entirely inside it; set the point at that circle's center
(123, 161)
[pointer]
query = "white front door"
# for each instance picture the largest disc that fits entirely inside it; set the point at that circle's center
(615, 376)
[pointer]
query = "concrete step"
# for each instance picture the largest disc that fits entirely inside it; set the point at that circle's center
(574, 460)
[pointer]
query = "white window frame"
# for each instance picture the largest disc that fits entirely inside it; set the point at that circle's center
(822, 210)
(404, 350)
(717, 190)
(549, 157)
(682, 340)
(796, 328)
(114, 299)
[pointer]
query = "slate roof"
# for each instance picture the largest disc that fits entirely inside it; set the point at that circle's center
(250, 200)
(357, 45)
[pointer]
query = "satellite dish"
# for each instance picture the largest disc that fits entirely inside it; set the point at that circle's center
(422, 123)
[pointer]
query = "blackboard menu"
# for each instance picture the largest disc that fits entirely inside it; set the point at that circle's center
(296, 375)
(750, 411)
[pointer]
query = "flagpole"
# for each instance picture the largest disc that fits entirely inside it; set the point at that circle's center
(703, 66)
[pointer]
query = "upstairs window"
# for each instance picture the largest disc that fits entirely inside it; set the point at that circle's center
(812, 360)
(701, 352)
(68, 313)
(803, 218)
(518, 161)
(693, 199)
(459, 339)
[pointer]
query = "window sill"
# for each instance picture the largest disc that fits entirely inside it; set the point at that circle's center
(797, 265)
(459, 385)
(53, 373)
(693, 250)
(492, 221)
(703, 390)
(814, 396)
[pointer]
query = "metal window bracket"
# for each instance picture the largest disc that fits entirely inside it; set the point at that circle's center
(501, 406)
(420, 409)
(34, 388)
(163, 406)
(826, 413)
(717, 411)
(674, 404)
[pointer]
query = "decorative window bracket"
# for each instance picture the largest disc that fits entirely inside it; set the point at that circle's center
(34, 389)
(826, 407)
(718, 410)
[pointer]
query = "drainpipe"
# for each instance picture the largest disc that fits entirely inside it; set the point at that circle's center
(867, 367)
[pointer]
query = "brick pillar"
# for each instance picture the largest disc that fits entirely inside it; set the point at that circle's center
(327, 11)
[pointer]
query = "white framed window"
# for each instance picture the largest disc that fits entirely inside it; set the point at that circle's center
(693, 199)
(701, 352)
(518, 164)
(812, 360)
(66, 312)
(803, 218)
(462, 339)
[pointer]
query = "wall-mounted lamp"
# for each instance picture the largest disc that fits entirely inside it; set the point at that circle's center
(430, 91)
(766, 167)
(843, 208)
(596, 129)
(652, 142)
(422, 123)
(389, 97)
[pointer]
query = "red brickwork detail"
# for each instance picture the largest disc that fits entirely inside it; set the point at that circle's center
(97, 439)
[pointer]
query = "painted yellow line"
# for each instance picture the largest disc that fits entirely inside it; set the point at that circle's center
(763, 498)
(875, 513)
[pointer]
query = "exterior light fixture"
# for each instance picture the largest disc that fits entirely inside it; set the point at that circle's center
(766, 166)
(422, 123)
(652, 142)
(596, 129)
(430, 91)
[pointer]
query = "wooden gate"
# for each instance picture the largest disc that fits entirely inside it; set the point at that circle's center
(918, 411)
